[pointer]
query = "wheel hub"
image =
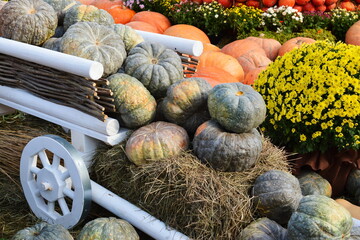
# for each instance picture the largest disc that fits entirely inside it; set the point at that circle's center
(50, 184)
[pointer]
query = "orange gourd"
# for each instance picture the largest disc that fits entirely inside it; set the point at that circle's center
(107, 4)
(353, 34)
(188, 32)
(239, 47)
(223, 61)
(214, 75)
(158, 20)
(142, 26)
(294, 43)
(353, 209)
(270, 46)
(252, 75)
(121, 14)
(252, 60)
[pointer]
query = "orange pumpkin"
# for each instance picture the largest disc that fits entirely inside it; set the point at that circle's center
(121, 14)
(252, 60)
(86, 2)
(107, 4)
(214, 75)
(210, 47)
(294, 43)
(239, 47)
(289, 3)
(252, 75)
(270, 46)
(353, 34)
(142, 26)
(188, 32)
(353, 209)
(223, 61)
(158, 20)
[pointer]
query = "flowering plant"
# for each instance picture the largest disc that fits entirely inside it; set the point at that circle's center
(341, 21)
(313, 102)
(282, 19)
(161, 6)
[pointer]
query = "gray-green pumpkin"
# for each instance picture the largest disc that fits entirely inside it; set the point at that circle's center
(352, 186)
(276, 195)
(95, 42)
(185, 103)
(355, 233)
(87, 13)
(312, 183)
(43, 231)
(236, 106)
(28, 21)
(61, 7)
(128, 35)
(263, 229)
(135, 105)
(52, 44)
(321, 218)
(108, 229)
(226, 151)
(156, 66)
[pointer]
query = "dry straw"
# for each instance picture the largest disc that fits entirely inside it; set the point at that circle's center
(181, 191)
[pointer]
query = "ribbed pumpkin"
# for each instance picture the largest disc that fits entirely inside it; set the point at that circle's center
(43, 231)
(223, 61)
(59, 32)
(253, 59)
(225, 151)
(156, 141)
(355, 233)
(142, 26)
(270, 46)
(106, 4)
(135, 105)
(128, 35)
(352, 186)
(252, 75)
(108, 229)
(52, 44)
(186, 103)
(121, 14)
(352, 35)
(2, 3)
(214, 75)
(158, 20)
(95, 42)
(263, 229)
(61, 6)
(87, 13)
(28, 21)
(294, 43)
(239, 47)
(354, 210)
(188, 32)
(312, 183)
(319, 217)
(237, 107)
(156, 66)
(276, 195)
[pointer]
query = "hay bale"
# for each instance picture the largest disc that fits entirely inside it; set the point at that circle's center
(181, 191)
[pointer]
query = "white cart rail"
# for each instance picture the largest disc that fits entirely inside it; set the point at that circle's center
(54, 173)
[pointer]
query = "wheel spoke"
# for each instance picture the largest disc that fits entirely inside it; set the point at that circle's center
(56, 161)
(64, 207)
(35, 170)
(68, 192)
(44, 158)
(51, 207)
(65, 175)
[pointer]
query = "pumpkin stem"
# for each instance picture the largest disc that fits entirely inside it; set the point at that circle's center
(32, 11)
(154, 61)
(239, 93)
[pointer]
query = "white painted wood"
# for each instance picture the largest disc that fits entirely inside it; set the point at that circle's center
(86, 146)
(57, 60)
(187, 46)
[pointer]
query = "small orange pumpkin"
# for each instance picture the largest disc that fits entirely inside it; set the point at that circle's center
(142, 26)
(214, 75)
(294, 43)
(158, 20)
(188, 32)
(121, 14)
(106, 4)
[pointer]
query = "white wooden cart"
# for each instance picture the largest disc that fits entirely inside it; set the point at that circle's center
(54, 173)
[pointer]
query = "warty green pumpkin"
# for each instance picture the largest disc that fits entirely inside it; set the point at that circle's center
(61, 7)
(276, 195)
(321, 218)
(236, 106)
(185, 103)
(108, 229)
(95, 42)
(43, 231)
(226, 151)
(28, 21)
(128, 35)
(156, 141)
(312, 183)
(87, 13)
(352, 186)
(156, 66)
(134, 104)
(52, 44)
(263, 229)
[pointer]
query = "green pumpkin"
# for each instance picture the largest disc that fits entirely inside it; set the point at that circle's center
(28, 21)
(95, 42)
(43, 231)
(236, 106)
(352, 186)
(87, 13)
(108, 229)
(61, 7)
(276, 195)
(134, 110)
(185, 103)
(355, 233)
(52, 44)
(156, 66)
(225, 151)
(128, 35)
(263, 229)
(312, 183)
(156, 141)
(319, 217)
